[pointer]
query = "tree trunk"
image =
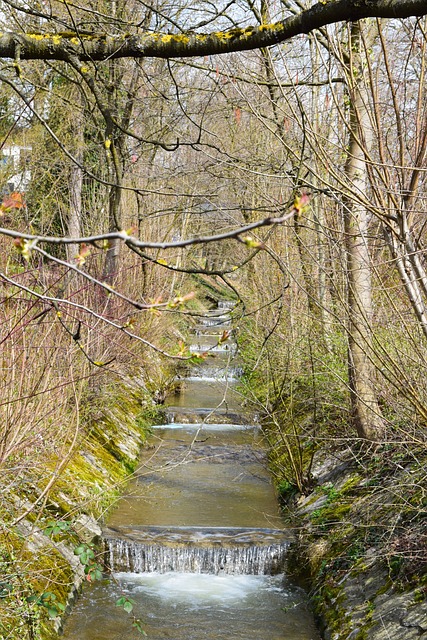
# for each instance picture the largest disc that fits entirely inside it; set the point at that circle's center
(409, 266)
(365, 409)
(74, 219)
(74, 222)
(113, 252)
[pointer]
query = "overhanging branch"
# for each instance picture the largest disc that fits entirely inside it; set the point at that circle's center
(34, 240)
(98, 47)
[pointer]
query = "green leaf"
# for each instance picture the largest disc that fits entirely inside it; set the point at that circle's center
(80, 549)
(128, 606)
(94, 572)
(5, 589)
(85, 553)
(53, 527)
(33, 598)
(125, 603)
(137, 624)
(196, 358)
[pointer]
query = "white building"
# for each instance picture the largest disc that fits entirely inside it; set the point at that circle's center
(15, 174)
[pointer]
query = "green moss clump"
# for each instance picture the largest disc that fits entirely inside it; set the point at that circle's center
(29, 568)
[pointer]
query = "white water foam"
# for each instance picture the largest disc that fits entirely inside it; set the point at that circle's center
(195, 426)
(200, 588)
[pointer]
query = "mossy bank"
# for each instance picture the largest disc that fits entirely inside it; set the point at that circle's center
(46, 544)
(361, 543)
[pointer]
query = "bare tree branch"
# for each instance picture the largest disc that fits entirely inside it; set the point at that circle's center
(33, 240)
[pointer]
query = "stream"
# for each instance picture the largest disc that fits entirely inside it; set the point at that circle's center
(197, 540)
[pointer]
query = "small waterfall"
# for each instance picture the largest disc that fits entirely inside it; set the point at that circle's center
(214, 374)
(182, 415)
(242, 559)
(207, 426)
(216, 348)
(215, 320)
(204, 329)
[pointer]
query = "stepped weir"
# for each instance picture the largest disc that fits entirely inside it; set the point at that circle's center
(197, 541)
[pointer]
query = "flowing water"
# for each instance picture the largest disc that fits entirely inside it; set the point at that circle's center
(197, 540)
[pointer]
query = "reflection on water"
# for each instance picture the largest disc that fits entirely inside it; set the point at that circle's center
(202, 393)
(207, 476)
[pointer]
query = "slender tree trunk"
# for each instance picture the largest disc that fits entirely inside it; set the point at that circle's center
(411, 271)
(309, 281)
(365, 409)
(114, 223)
(117, 152)
(74, 220)
(317, 206)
